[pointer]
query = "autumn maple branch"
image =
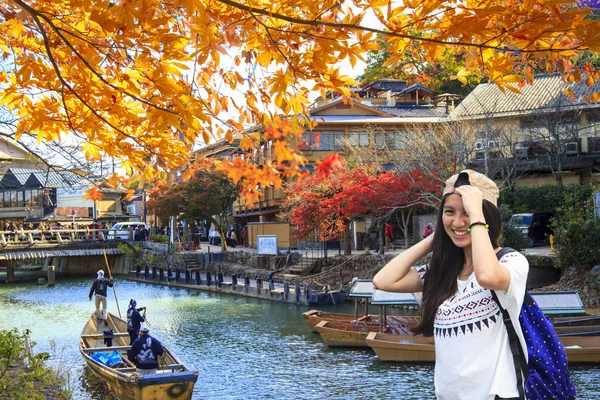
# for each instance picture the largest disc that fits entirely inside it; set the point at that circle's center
(59, 31)
(374, 30)
(76, 94)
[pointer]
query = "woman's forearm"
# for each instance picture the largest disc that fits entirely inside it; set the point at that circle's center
(396, 276)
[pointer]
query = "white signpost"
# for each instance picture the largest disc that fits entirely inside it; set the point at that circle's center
(267, 244)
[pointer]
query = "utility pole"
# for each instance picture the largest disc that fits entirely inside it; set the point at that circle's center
(486, 146)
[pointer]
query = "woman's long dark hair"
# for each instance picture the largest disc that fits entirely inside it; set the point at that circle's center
(447, 262)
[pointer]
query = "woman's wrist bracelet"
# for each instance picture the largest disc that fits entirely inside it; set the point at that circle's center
(478, 223)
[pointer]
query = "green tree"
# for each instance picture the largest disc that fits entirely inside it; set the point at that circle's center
(206, 196)
(414, 69)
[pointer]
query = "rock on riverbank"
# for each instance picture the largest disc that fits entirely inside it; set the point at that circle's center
(583, 281)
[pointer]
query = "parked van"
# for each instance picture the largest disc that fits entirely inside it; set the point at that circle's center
(535, 226)
(124, 230)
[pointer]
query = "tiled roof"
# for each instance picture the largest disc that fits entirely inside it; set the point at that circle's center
(23, 255)
(544, 96)
(56, 179)
(413, 88)
(415, 112)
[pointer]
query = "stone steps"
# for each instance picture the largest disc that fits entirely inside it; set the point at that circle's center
(305, 266)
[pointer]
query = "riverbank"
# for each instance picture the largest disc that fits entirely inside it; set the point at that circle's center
(584, 282)
(340, 270)
(24, 374)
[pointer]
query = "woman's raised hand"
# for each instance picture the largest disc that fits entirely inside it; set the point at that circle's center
(472, 201)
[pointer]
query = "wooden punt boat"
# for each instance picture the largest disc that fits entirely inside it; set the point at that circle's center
(582, 349)
(401, 348)
(313, 317)
(353, 334)
(576, 321)
(172, 380)
(579, 349)
(580, 330)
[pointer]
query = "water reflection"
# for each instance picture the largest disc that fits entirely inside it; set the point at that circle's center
(92, 388)
(242, 348)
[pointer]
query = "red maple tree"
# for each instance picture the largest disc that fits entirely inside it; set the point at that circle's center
(327, 204)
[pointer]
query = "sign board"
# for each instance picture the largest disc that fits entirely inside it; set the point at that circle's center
(79, 212)
(381, 297)
(597, 203)
(267, 244)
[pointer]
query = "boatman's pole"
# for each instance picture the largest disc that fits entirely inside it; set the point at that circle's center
(110, 276)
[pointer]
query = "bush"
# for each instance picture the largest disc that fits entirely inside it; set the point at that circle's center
(159, 238)
(513, 237)
(577, 244)
(577, 233)
(542, 198)
(25, 375)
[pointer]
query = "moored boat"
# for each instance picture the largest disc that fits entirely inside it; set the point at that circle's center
(581, 330)
(576, 321)
(582, 349)
(353, 334)
(579, 349)
(172, 379)
(313, 317)
(403, 348)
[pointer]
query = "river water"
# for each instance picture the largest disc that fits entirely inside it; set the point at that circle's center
(243, 348)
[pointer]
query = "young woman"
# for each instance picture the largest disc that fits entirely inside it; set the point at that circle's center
(473, 357)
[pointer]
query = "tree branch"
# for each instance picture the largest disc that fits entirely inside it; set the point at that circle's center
(373, 30)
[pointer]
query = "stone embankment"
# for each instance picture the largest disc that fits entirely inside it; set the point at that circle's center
(342, 269)
(583, 281)
(339, 271)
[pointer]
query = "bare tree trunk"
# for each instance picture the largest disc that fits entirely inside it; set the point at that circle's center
(559, 176)
(347, 238)
(403, 220)
(381, 237)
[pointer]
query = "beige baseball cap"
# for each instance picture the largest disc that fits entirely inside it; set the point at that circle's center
(488, 187)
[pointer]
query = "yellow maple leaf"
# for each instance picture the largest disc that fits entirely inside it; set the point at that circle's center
(129, 194)
(91, 151)
(93, 193)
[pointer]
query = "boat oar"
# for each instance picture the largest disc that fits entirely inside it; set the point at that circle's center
(146, 319)
(110, 276)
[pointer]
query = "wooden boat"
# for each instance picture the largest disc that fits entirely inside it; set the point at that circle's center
(172, 380)
(353, 334)
(582, 349)
(576, 321)
(581, 330)
(579, 349)
(313, 317)
(402, 348)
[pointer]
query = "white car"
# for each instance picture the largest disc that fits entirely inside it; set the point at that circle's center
(124, 230)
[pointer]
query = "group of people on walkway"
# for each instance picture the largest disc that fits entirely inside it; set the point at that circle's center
(145, 349)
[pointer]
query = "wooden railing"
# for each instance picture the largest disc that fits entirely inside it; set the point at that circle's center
(50, 235)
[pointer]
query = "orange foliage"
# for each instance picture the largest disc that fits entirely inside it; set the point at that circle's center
(142, 81)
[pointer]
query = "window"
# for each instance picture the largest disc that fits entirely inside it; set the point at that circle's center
(328, 140)
(389, 140)
(33, 198)
(359, 139)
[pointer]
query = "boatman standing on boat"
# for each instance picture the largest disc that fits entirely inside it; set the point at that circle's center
(145, 351)
(99, 286)
(134, 320)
